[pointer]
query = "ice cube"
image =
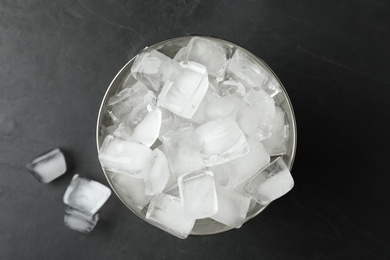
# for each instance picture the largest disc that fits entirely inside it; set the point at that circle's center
(245, 69)
(232, 207)
(271, 183)
(166, 212)
(144, 122)
(48, 166)
(183, 94)
(277, 143)
(221, 106)
(256, 115)
(198, 195)
(182, 150)
(231, 87)
(79, 221)
(199, 116)
(181, 55)
(156, 173)
(153, 68)
(121, 104)
(124, 156)
(221, 140)
(221, 175)
(244, 168)
(132, 188)
(214, 56)
(169, 122)
(86, 195)
(272, 86)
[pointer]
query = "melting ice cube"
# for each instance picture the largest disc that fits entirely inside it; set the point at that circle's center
(221, 140)
(124, 156)
(156, 173)
(256, 115)
(214, 56)
(182, 150)
(153, 68)
(221, 106)
(183, 94)
(277, 143)
(198, 195)
(166, 212)
(86, 195)
(79, 221)
(271, 183)
(232, 207)
(144, 122)
(48, 166)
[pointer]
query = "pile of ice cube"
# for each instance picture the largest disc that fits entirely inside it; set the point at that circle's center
(84, 197)
(210, 115)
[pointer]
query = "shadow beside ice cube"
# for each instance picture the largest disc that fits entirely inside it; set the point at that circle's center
(48, 166)
(218, 124)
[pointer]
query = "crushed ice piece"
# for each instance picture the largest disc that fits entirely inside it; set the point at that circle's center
(166, 212)
(143, 123)
(132, 188)
(183, 94)
(256, 115)
(214, 56)
(232, 207)
(122, 156)
(156, 173)
(220, 141)
(79, 221)
(182, 150)
(121, 104)
(48, 166)
(271, 183)
(153, 68)
(277, 143)
(197, 194)
(86, 195)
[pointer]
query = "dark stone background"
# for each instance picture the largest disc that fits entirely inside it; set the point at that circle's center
(58, 57)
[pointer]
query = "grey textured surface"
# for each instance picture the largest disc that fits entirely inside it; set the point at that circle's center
(58, 57)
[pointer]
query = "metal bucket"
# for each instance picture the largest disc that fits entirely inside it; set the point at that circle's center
(170, 48)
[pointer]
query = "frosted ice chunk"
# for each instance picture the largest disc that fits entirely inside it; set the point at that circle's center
(183, 94)
(156, 173)
(256, 115)
(77, 220)
(121, 104)
(121, 156)
(244, 168)
(231, 87)
(221, 106)
(271, 183)
(153, 68)
(214, 56)
(86, 195)
(132, 188)
(232, 207)
(144, 122)
(182, 150)
(277, 143)
(198, 195)
(166, 212)
(48, 166)
(221, 140)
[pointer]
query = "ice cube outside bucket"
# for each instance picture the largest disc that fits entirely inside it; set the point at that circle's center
(170, 48)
